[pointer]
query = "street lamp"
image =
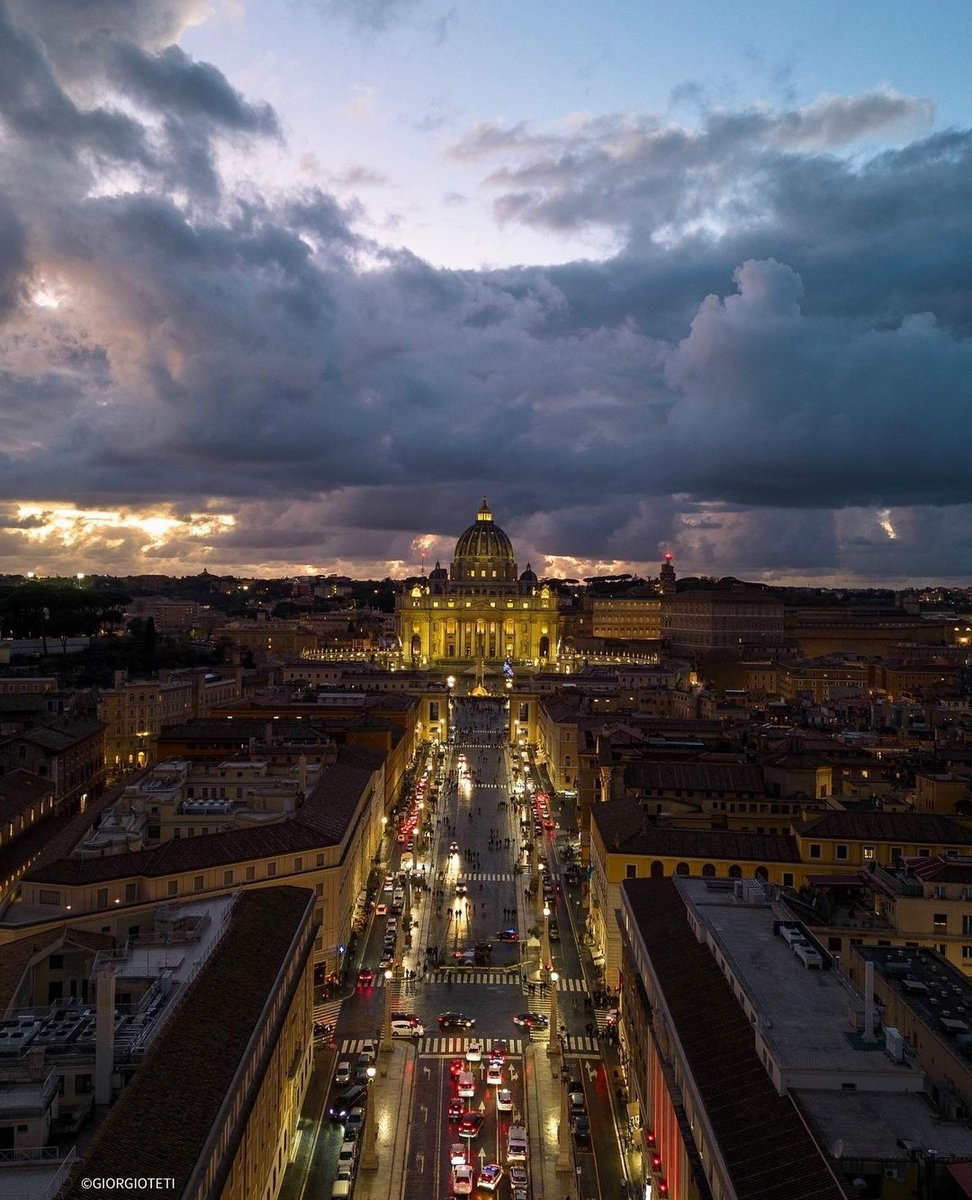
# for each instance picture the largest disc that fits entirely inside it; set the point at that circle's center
(553, 1045)
(369, 1156)
(387, 1046)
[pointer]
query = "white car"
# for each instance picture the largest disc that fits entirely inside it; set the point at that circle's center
(489, 1176)
(367, 1054)
(342, 1076)
(518, 1175)
(462, 1180)
(474, 1051)
(458, 1156)
(504, 1100)
(494, 1073)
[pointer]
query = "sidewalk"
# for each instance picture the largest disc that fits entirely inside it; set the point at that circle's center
(392, 1096)
(542, 1092)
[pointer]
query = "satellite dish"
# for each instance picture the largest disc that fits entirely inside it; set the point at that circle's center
(838, 1148)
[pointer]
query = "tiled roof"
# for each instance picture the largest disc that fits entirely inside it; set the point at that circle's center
(695, 776)
(57, 738)
(923, 828)
(763, 1142)
(624, 830)
(19, 790)
(321, 821)
(18, 955)
(166, 1113)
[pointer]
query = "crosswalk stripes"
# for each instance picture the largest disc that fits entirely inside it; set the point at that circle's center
(480, 977)
(563, 985)
(457, 1046)
(579, 1044)
(326, 1013)
(489, 877)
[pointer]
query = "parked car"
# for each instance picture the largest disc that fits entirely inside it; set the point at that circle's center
(367, 1054)
(342, 1076)
(354, 1123)
(507, 935)
(341, 1105)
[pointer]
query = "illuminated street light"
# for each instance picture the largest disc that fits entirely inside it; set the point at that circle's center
(387, 1046)
(369, 1156)
(553, 1045)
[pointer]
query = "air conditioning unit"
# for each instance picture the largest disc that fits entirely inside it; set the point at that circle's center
(892, 1173)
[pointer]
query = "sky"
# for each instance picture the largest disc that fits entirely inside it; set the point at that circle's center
(287, 286)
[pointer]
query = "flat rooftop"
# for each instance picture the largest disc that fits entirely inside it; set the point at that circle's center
(869, 1124)
(804, 1011)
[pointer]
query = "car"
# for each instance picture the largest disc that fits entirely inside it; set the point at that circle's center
(389, 884)
(553, 930)
(386, 961)
(455, 1020)
(361, 1077)
(507, 935)
(354, 1123)
(577, 1104)
(582, 1130)
(462, 1180)
(494, 1073)
(341, 1105)
(347, 1154)
(530, 1020)
(458, 1154)
(518, 1175)
(474, 1051)
(461, 887)
(366, 977)
(453, 847)
(489, 1176)
(456, 1067)
(470, 1124)
(454, 1110)
(504, 1100)
(499, 1050)
(342, 1076)
(367, 1053)
(381, 910)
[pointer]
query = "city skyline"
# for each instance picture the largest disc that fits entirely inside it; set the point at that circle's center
(286, 288)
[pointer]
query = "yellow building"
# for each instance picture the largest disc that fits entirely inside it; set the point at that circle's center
(481, 609)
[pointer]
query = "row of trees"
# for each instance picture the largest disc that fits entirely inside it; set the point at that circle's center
(52, 608)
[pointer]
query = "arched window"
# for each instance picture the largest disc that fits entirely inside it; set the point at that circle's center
(708, 870)
(682, 869)
(543, 649)
(762, 873)
(735, 872)
(657, 869)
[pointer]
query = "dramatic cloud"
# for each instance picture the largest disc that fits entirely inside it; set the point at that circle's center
(771, 377)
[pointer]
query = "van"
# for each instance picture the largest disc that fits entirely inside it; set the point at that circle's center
(516, 1144)
(341, 1189)
(467, 1085)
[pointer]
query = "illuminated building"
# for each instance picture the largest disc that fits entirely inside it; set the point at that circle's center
(481, 609)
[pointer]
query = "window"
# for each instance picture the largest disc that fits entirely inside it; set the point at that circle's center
(271, 870)
(868, 853)
(833, 943)
(101, 900)
(842, 852)
(82, 1084)
(814, 849)
(896, 853)
(131, 893)
(173, 887)
(967, 926)
(56, 962)
(940, 922)
(631, 871)
(298, 864)
(227, 878)
(250, 874)
(48, 897)
(967, 952)
(197, 883)
(788, 879)
(939, 892)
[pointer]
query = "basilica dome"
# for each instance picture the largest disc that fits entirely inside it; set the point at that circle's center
(484, 552)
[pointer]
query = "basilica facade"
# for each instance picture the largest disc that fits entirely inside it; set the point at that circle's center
(481, 610)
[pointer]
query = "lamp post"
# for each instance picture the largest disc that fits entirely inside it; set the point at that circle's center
(387, 1046)
(547, 959)
(369, 1156)
(553, 1045)
(564, 1157)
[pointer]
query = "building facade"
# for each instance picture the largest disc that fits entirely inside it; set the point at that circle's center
(481, 609)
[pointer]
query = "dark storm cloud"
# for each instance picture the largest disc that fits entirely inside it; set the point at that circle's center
(172, 82)
(774, 370)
